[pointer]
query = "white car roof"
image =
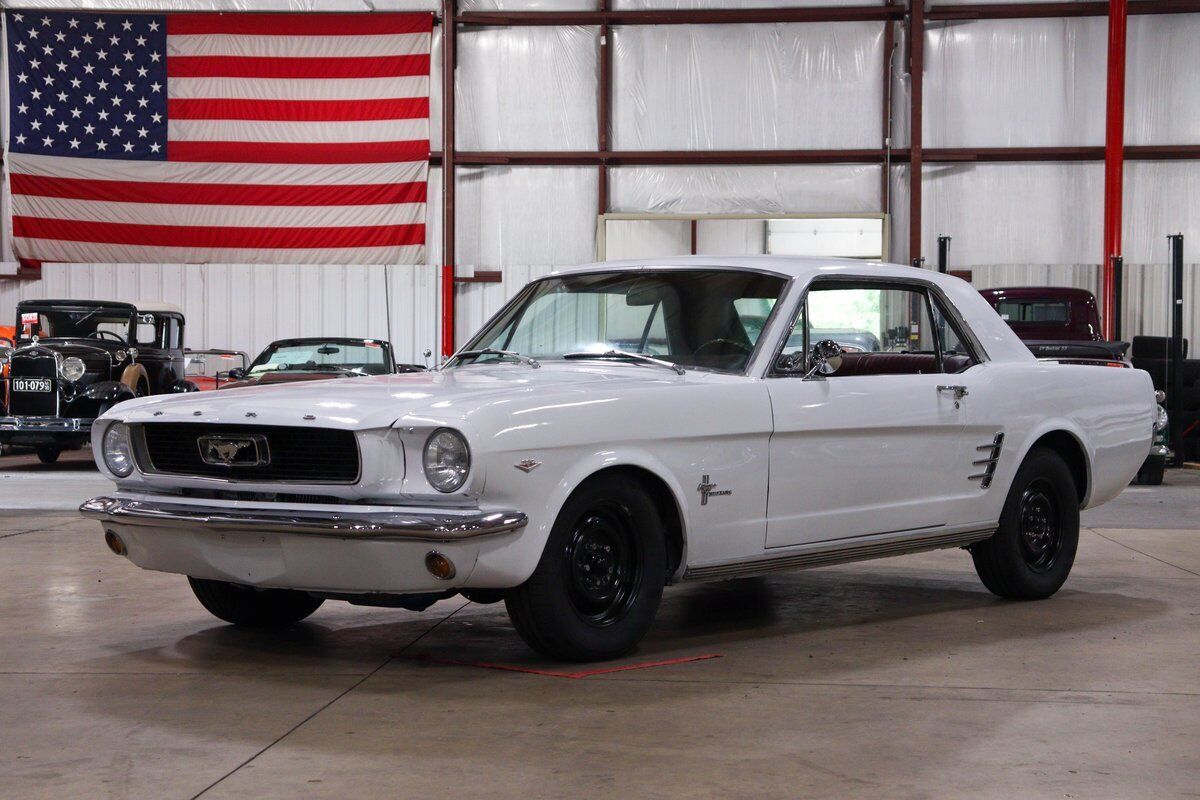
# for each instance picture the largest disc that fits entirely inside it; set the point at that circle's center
(997, 339)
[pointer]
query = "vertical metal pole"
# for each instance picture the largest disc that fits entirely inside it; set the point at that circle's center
(943, 254)
(1175, 397)
(694, 226)
(449, 31)
(1118, 269)
(916, 68)
(885, 139)
(1114, 156)
(604, 108)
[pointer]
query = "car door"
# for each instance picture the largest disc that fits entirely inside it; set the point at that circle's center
(876, 446)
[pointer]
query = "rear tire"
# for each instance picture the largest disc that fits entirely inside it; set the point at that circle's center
(1033, 549)
(597, 587)
(257, 608)
(48, 455)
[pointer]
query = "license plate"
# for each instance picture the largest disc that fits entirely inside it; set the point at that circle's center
(31, 384)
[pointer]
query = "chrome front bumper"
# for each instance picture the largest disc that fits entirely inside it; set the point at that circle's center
(349, 524)
(46, 424)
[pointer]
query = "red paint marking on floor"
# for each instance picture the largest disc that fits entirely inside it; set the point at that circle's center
(587, 673)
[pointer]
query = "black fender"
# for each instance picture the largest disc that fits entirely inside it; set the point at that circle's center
(111, 392)
(183, 387)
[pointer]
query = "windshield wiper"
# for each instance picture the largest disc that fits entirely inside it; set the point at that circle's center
(492, 351)
(640, 358)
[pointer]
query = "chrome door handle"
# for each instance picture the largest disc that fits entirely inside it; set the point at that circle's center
(959, 391)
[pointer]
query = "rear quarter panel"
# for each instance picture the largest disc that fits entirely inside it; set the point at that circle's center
(1109, 411)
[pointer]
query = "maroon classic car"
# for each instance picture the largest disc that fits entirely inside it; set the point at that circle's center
(315, 359)
(1055, 321)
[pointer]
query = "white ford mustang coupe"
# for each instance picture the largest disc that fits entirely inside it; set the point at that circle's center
(623, 426)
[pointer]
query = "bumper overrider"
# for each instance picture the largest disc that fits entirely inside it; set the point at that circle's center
(367, 550)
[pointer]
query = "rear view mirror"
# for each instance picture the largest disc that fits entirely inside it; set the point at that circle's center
(328, 349)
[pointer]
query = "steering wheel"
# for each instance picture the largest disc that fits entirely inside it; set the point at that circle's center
(99, 334)
(744, 348)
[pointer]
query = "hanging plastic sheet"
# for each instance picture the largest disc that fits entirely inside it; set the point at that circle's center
(1162, 105)
(715, 87)
(1015, 83)
(745, 189)
(1027, 213)
(526, 215)
(527, 88)
(228, 5)
(1161, 198)
(526, 5)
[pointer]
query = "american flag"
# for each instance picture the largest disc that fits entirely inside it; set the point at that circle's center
(227, 138)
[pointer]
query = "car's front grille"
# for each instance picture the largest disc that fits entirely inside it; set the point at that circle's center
(292, 454)
(40, 365)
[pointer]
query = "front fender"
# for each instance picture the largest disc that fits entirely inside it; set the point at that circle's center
(108, 392)
(502, 564)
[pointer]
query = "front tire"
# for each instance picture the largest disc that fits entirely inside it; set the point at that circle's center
(1033, 549)
(598, 584)
(1151, 473)
(48, 455)
(256, 608)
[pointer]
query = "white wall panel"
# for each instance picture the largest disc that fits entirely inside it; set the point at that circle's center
(1041, 213)
(527, 88)
(1162, 104)
(526, 215)
(752, 190)
(714, 87)
(1015, 83)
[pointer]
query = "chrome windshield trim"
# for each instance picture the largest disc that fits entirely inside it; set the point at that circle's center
(397, 524)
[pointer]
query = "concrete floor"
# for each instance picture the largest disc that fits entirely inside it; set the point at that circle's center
(900, 678)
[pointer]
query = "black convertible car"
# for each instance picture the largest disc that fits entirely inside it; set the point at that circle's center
(74, 359)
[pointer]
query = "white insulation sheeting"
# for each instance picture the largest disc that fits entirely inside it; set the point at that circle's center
(722, 87)
(987, 83)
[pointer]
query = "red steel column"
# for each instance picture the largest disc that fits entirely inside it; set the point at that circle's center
(449, 26)
(1114, 159)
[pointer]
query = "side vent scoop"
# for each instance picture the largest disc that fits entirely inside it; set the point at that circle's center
(989, 464)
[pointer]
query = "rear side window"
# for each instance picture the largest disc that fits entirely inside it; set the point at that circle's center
(1046, 311)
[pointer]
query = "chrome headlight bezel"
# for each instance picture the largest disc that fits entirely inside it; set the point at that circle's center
(1162, 420)
(71, 369)
(117, 449)
(446, 460)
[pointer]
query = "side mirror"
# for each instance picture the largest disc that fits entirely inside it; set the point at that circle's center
(237, 374)
(826, 359)
(184, 387)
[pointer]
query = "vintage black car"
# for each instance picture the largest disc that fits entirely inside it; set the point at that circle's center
(74, 359)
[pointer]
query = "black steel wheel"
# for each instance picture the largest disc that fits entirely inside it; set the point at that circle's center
(605, 564)
(597, 587)
(1033, 549)
(1041, 536)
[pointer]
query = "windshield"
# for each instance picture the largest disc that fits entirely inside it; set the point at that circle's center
(696, 318)
(113, 324)
(367, 358)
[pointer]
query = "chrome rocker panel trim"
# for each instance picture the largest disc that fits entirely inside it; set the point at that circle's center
(374, 525)
(46, 424)
(841, 552)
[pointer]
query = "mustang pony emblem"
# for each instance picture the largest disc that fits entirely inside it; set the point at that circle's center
(228, 451)
(707, 490)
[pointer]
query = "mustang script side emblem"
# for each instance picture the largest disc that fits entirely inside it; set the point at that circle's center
(230, 451)
(706, 488)
(528, 465)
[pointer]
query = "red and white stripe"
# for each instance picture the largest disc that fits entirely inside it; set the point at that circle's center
(292, 138)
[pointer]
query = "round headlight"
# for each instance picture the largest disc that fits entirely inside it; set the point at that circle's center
(119, 356)
(118, 453)
(447, 460)
(71, 369)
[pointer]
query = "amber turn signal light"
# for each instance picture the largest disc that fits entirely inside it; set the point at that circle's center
(439, 566)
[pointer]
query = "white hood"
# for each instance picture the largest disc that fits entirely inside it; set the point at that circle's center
(377, 402)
